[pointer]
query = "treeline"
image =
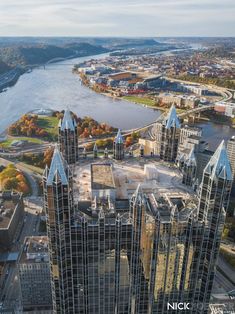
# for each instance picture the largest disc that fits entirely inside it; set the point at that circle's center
(33, 126)
(34, 54)
(38, 160)
(27, 125)
(103, 143)
(227, 83)
(13, 179)
(224, 51)
(87, 127)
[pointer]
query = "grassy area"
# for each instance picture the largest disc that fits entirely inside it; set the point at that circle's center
(7, 143)
(49, 124)
(141, 100)
(149, 102)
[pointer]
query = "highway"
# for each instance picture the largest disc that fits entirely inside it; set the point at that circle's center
(225, 92)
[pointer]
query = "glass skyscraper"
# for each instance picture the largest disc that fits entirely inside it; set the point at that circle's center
(144, 258)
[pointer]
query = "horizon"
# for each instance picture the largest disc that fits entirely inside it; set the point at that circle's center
(89, 18)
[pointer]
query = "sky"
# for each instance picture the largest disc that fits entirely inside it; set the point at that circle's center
(146, 18)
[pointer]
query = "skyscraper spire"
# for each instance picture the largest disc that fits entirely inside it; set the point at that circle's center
(67, 121)
(172, 119)
(95, 151)
(191, 159)
(219, 165)
(68, 138)
(138, 194)
(118, 146)
(57, 169)
(167, 132)
(189, 168)
(119, 138)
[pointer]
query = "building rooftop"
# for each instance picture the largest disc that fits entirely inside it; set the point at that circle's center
(102, 177)
(172, 206)
(8, 205)
(232, 139)
(35, 250)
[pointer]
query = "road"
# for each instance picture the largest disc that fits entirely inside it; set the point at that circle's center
(225, 92)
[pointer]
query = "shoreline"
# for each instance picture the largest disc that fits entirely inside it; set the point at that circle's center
(133, 102)
(26, 68)
(163, 110)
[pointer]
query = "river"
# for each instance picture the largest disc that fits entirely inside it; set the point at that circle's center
(56, 87)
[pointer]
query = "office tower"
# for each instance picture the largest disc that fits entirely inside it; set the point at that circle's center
(59, 207)
(118, 146)
(95, 151)
(68, 138)
(89, 249)
(191, 141)
(141, 151)
(187, 131)
(167, 136)
(106, 153)
(189, 169)
(231, 156)
(34, 274)
(213, 203)
(11, 214)
(142, 255)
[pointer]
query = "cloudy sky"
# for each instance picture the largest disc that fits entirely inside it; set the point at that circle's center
(117, 18)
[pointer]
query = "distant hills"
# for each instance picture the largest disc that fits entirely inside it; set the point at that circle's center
(34, 54)
(4, 67)
(30, 51)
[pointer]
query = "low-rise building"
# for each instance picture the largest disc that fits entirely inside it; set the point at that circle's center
(102, 181)
(226, 108)
(34, 274)
(11, 213)
(180, 101)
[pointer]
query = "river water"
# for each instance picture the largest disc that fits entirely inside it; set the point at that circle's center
(56, 87)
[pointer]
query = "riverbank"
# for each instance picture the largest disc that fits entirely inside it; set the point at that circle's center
(56, 87)
(10, 78)
(143, 104)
